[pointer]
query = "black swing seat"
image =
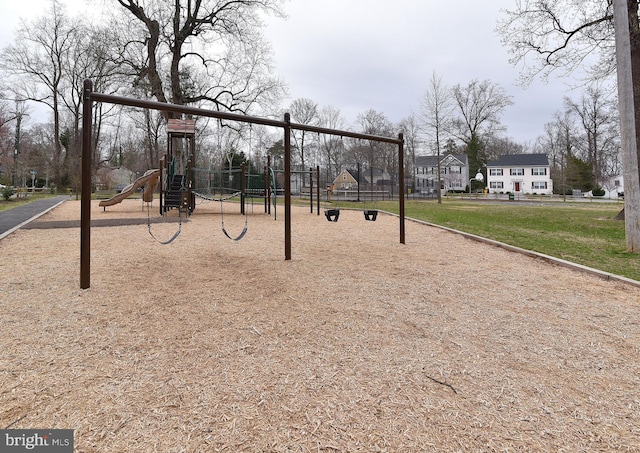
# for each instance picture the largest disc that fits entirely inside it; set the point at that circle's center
(332, 214)
(371, 214)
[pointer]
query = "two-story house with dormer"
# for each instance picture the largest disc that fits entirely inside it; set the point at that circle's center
(520, 173)
(454, 172)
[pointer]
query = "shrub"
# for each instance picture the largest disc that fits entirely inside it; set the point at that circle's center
(598, 191)
(7, 192)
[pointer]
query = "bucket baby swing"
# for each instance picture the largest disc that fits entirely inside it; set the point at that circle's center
(332, 214)
(370, 214)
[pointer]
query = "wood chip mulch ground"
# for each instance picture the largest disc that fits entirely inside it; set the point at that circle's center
(359, 343)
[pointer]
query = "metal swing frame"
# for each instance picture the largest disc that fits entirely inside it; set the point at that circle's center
(90, 97)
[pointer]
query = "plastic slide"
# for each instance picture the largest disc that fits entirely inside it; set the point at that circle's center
(149, 181)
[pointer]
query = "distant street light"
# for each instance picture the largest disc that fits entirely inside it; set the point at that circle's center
(479, 177)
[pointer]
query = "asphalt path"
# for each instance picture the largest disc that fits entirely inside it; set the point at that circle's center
(15, 218)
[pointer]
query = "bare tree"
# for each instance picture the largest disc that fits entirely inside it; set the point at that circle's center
(437, 109)
(498, 146)
(479, 106)
(201, 51)
(303, 111)
(89, 58)
(331, 147)
(558, 142)
(596, 114)
(411, 130)
(550, 36)
(6, 142)
(376, 155)
(35, 64)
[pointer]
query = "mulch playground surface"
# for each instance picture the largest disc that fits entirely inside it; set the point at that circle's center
(358, 343)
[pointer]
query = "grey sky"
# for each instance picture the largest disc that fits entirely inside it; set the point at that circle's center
(356, 55)
(361, 54)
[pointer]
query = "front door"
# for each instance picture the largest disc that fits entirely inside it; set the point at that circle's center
(516, 187)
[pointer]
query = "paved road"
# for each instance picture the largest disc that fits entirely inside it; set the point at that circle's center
(12, 219)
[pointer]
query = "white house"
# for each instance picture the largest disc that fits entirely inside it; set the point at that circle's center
(454, 172)
(614, 187)
(520, 173)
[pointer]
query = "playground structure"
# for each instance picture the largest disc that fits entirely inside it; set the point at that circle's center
(186, 200)
(176, 167)
(148, 182)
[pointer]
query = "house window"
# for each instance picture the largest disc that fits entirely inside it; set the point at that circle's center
(539, 185)
(495, 172)
(344, 177)
(455, 169)
(539, 171)
(517, 172)
(496, 185)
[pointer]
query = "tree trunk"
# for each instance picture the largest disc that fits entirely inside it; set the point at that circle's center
(628, 65)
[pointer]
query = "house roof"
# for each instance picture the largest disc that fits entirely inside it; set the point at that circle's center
(364, 174)
(432, 161)
(354, 174)
(514, 160)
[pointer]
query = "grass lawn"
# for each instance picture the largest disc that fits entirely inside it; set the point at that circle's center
(583, 233)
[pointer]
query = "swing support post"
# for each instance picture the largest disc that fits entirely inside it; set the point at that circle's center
(268, 186)
(311, 190)
(401, 185)
(85, 202)
(359, 179)
(287, 186)
(243, 187)
(318, 189)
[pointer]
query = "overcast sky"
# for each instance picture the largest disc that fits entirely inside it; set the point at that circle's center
(356, 55)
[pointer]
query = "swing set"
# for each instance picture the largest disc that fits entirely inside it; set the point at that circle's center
(187, 200)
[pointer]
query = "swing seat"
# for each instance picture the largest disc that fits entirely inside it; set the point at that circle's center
(242, 233)
(332, 214)
(371, 214)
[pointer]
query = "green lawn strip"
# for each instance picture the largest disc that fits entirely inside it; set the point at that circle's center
(6, 205)
(15, 202)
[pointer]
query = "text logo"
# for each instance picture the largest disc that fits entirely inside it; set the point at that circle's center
(36, 440)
